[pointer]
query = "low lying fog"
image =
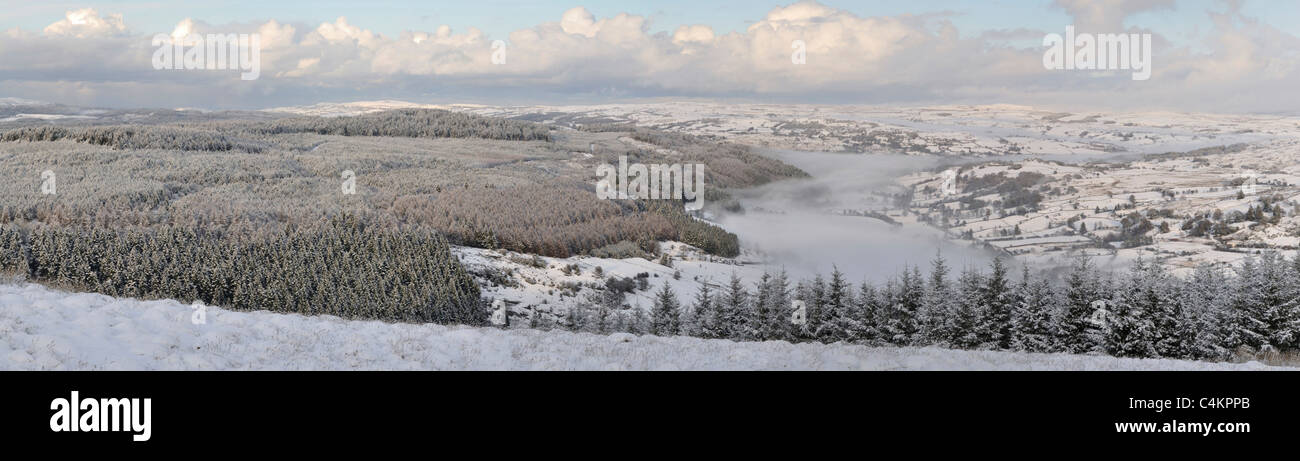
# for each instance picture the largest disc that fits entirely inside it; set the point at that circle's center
(791, 221)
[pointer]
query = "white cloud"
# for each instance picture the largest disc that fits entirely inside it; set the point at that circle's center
(579, 21)
(850, 58)
(87, 22)
(276, 36)
(341, 32)
(1107, 16)
(693, 34)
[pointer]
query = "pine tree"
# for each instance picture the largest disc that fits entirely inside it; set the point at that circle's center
(1130, 329)
(936, 309)
(1034, 324)
(901, 304)
(1248, 324)
(836, 321)
(1165, 306)
(1078, 334)
(760, 316)
(995, 329)
(1209, 322)
(664, 318)
(702, 321)
(816, 292)
(732, 306)
(867, 311)
(1282, 299)
(637, 322)
(968, 314)
(777, 325)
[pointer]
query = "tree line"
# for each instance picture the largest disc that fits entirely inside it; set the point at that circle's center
(412, 123)
(252, 136)
(135, 137)
(1144, 311)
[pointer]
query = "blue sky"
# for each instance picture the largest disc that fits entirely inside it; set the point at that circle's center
(497, 18)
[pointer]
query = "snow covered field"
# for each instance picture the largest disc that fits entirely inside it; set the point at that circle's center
(46, 329)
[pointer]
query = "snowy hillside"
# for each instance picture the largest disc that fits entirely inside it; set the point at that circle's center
(45, 329)
(944, 130)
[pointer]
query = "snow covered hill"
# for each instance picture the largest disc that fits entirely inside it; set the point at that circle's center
(46, 329)
(943, 130)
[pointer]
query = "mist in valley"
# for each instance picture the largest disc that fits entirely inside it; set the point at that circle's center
(797, 223)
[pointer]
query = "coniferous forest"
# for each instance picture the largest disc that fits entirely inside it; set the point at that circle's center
(1146, 312)
(340, 267)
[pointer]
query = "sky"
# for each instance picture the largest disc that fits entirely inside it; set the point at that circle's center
(1209, 55)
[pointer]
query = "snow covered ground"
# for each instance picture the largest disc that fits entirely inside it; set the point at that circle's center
(997, 129)
(46, 329)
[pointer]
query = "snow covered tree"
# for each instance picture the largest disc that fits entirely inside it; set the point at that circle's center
(836, 318)
(1266, 308)
(1130, 330)
(636, 321)
(1078, 334)
(968, 315)
(665, 320)
(760, 312)
(575, 317)
(900, 304)
(1209, 322)
(702, 319)
(732, 308)
(995, 328)
(780, 327)
(1032, 317)
(936, 309)
(772, 299)
(813, 294)
(867, 312)
(1165, 308)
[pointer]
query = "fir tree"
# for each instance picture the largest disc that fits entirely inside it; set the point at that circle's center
(1034, 325)
(703, 318)
(936, 310)
(817, 302)
(732, 307)
(760, 315)
(777, 325)
(867, 312)
(968, 314)
(836, 320)
(1208, 326)
(664, 317)
(995, 329)
(1078, 334)
(1130, 330)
